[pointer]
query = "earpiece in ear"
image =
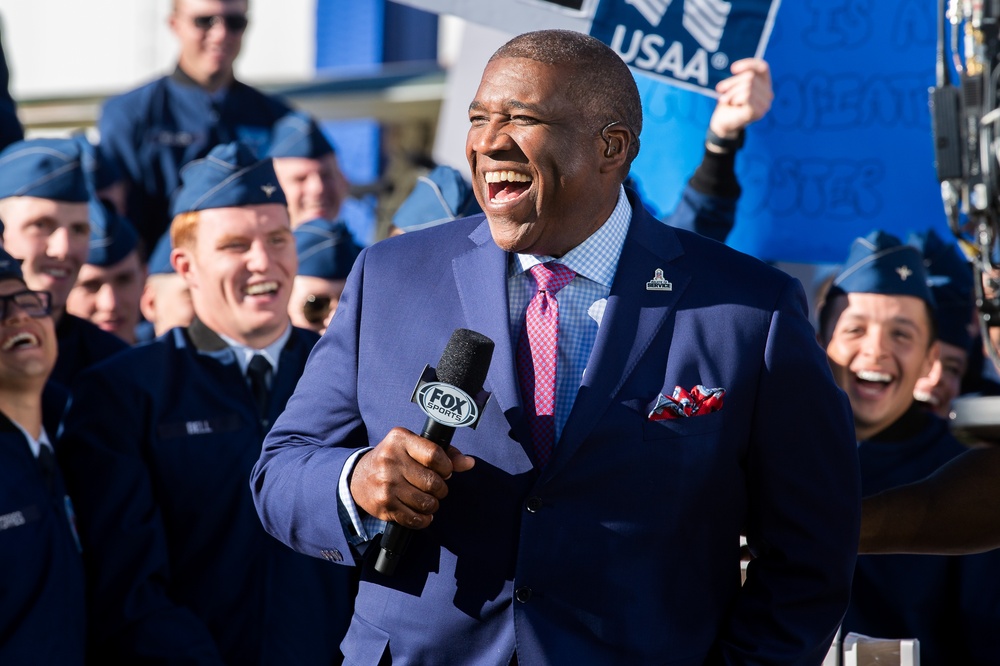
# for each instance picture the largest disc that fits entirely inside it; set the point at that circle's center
(612, 147)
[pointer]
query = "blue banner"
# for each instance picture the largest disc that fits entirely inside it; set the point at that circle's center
(847, 146)
(689, 43)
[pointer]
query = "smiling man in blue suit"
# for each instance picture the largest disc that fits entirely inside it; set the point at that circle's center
(594, 514)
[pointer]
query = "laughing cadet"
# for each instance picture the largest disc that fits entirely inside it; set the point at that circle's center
(43, 203)
(162, 439)
(878, 327)
(41, 574)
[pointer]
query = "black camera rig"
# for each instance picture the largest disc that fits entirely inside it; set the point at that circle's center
(966, 126)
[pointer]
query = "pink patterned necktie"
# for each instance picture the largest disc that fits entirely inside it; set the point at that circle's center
(536, 356)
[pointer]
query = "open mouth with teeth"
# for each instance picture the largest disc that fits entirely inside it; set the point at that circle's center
(506, 185)
(262, 289)
(872, 383)
(926, 397)
(57, 273)
(21, 340)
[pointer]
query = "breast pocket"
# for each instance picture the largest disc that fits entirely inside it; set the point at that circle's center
(683, 427)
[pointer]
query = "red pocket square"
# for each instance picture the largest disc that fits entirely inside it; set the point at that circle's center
(682, 404)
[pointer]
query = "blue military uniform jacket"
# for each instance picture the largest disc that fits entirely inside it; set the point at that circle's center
(158, 446)
(153, 131)
(624, 549)
(951, 604)
(42, 610)
(81, 345)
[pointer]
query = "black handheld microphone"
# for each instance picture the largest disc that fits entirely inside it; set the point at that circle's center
(452, 397)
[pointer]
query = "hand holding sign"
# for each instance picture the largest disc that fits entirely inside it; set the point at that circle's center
(744, 98)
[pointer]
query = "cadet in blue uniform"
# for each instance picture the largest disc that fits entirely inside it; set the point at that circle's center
(154, 130)
(43, 203)
(160, 441)
(109, 285)
(166, 298)
(41, 574)
(879, 331)
(326, 254)
(949, 276)
(308, 170)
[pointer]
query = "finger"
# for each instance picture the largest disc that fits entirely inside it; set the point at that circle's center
(459, 461)
(755, 65)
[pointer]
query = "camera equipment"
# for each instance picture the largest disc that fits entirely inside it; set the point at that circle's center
(966, 127)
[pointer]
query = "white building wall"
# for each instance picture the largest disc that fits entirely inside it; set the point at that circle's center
(58, 48)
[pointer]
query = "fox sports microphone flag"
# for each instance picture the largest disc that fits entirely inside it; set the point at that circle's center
(688, 43)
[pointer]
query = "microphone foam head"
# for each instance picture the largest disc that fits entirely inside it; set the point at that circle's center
(466, 360)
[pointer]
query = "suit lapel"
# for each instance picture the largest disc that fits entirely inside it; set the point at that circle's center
(481, 278)
(632, 319)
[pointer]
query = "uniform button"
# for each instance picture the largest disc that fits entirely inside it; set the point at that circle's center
(523, 594)
(534, 504)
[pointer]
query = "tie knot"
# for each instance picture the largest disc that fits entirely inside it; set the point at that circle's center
(259, 366)
(552, 276)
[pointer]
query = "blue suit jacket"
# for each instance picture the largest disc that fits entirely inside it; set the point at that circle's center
(625, 547)
(157, 448)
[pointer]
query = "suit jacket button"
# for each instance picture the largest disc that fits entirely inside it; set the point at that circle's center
(534, 504)
(523, 594)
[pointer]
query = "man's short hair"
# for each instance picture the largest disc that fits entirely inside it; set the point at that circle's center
(184, 229)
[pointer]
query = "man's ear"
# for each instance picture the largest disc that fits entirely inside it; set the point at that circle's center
(183, 263)
(147, 302)
(617, 142)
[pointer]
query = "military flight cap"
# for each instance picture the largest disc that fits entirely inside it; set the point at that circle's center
(230, 175)
(112, 236)
(949, 276)
(297, 135)
(880, 264)
(47, 168)
(440, 196)
(325, 249)
(159, 258)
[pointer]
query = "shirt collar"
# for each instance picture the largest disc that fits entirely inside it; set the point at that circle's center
(34, 444)
(596, 258)
(272, 352)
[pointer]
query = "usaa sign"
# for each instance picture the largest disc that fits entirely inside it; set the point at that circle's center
(689, 43)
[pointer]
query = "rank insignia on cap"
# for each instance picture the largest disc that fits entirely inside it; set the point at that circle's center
(659, 283)
(904, 272)
(269, 189)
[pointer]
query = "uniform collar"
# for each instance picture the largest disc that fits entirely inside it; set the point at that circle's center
(208, 341)
(906, 427)
(182, 77)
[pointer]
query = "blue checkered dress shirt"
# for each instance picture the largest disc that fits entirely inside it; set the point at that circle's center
(581, 302)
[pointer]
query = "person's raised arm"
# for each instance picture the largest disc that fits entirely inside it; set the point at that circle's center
(954, 511)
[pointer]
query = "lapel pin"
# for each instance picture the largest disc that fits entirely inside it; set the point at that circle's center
(658, 283)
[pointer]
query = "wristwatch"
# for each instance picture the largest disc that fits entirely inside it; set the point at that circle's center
(725, 145)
